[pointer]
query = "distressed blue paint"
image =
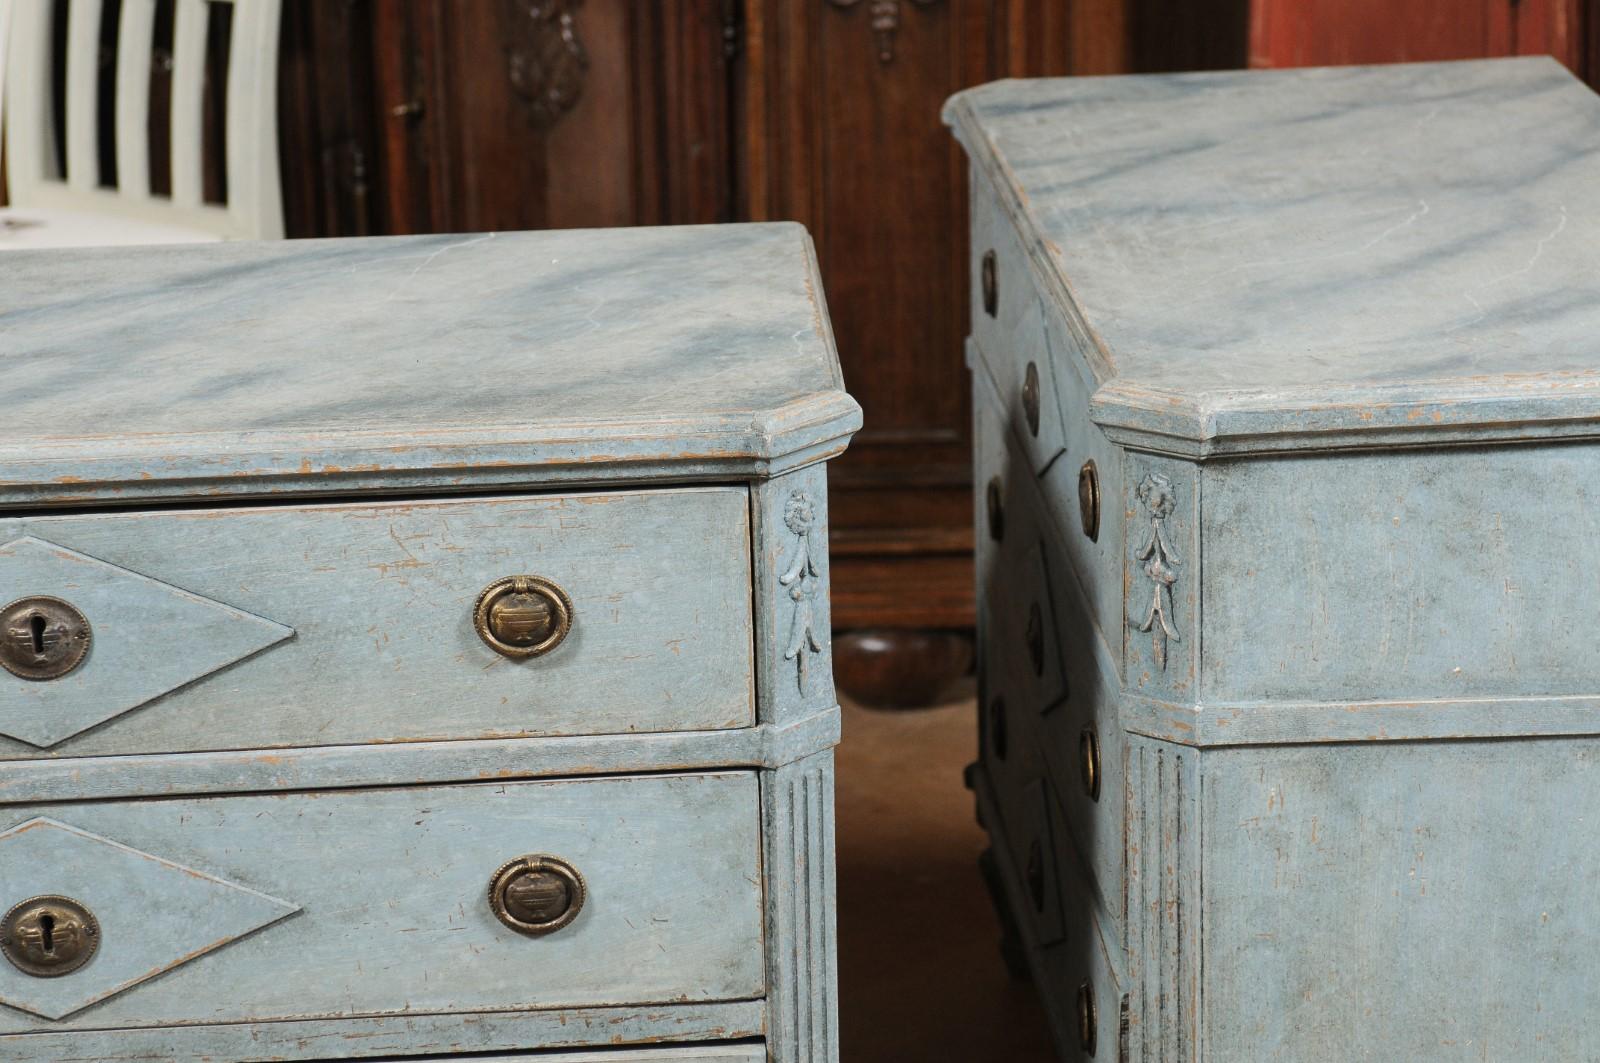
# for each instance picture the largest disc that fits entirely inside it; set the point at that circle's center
(1339, 665)
(391, 886)
(1435, 228)
(154, 914)
(380, 597)
(148, 638)
(376, 763)
(272, 367)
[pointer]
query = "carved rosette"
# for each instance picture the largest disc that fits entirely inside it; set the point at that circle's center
(885, 18)
(546, 61)
(803, 581)
(1160, 562)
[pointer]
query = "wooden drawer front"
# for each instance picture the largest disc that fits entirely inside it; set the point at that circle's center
(1065, 940)
(1070, 688)
(1086, 457)
(1084, 740)
(1015, 337)
(1081, 975)
(322, 625)
(370, 902)
(1021, 632)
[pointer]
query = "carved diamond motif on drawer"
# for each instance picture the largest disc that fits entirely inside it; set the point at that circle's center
(148, 639)
(153, 914)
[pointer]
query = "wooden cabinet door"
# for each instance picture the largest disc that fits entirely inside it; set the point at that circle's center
(1336, 32)
(501, 114)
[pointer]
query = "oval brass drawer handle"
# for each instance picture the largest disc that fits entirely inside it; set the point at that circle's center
(1089, 762)
(49, 936)
(42, 637)
(1089, 500)
(522, 616)
(536, 894)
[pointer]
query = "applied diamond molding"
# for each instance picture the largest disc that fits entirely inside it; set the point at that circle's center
(150, 638)
(154, 914)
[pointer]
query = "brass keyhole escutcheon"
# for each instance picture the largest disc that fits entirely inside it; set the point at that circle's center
(42, 638)
(994, 497)
(49, 936)
(536, 895)
(1087, 1020)
(1030, 397)
(1089, 500)
(1089, 762)
(522, 616)
(991, 284)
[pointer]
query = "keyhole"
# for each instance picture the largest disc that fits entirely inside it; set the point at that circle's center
(47, 925)
(36, 624)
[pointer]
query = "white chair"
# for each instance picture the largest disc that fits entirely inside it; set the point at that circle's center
(52, 209)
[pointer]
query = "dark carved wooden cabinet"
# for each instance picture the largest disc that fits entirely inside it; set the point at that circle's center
(404, 116)
(411, 116)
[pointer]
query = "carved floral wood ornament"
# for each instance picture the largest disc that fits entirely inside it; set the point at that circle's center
(885, 21)
(547, 61)
(802, 579)
(1160, 562)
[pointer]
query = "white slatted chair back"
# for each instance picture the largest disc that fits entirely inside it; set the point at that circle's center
(5, 35)
(254, 207)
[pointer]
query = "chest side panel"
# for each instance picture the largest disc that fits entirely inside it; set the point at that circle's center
(1405, 576)
(1401, 901)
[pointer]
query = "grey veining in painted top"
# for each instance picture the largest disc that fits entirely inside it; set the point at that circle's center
(1327, 257)
(415, 362)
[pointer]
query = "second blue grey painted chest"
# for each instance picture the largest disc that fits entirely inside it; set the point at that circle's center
(1287, 400)
(418, 647)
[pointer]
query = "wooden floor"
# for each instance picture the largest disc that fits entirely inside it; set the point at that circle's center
(920, 976)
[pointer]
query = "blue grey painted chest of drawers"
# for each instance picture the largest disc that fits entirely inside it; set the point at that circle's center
(1287, 401)
(418, 647)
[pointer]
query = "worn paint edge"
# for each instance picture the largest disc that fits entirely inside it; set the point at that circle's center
(211, 465)
(394, 1034)
(413, 763)
(1300, 723)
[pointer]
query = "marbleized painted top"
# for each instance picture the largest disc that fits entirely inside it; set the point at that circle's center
(1326, 257)
(413, 361)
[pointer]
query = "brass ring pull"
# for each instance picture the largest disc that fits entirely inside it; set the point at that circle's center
(522, 616)
(1089, 762)
(49, 936)
(1089, 500)
(994, 499)
(1030, 397)
(536, 895)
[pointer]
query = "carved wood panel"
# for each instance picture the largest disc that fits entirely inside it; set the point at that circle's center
(530, 114)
